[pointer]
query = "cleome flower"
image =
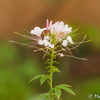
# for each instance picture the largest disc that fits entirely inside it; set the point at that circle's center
(54, 33)
(57, 36)
(37, 31)
(58, 29)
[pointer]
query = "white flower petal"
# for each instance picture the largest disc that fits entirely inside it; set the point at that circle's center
(61, 55)
(46, 37)
(46, 43)
(64, 43)
(40, 42)
(37, 31)
(69, 39)
(67, 30)
(66, 25)
(51, 45)
(58, 26)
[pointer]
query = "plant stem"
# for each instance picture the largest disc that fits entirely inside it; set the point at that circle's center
(51, 71)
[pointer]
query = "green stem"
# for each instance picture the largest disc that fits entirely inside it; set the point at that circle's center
(51, 71)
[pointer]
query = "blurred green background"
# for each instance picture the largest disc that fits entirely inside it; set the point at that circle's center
(19, 64)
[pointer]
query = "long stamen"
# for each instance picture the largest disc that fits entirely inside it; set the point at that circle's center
(25, 36)
(75, 57)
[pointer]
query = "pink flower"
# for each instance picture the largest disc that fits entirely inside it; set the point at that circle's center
(48, 25)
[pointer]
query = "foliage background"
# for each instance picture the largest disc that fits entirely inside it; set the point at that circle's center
(19, 64)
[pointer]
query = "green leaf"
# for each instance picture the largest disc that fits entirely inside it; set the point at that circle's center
(67, 89)
(55, 62)
(45, 98)
(48, 67)
(51, 90)
(56, 70)
(47, 76)
(43, 95)
(54, 57)
(57, 92)
(48, 63)
(42, 80)
(38, 76)
(48, 54)
(63, 85)
(48, 59)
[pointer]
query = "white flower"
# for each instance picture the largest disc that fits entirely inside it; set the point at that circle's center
(69, 39)
(61, 55)
(64, 43)
(66, 29)
(46, 43)
(51, 45)
(59, 27)
(46, 37)
(40, 42)
(37, 31)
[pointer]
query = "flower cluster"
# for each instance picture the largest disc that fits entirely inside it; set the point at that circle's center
(57, 36)
(53, 34)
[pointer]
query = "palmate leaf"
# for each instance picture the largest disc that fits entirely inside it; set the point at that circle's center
(58, 92)
(38, 76)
